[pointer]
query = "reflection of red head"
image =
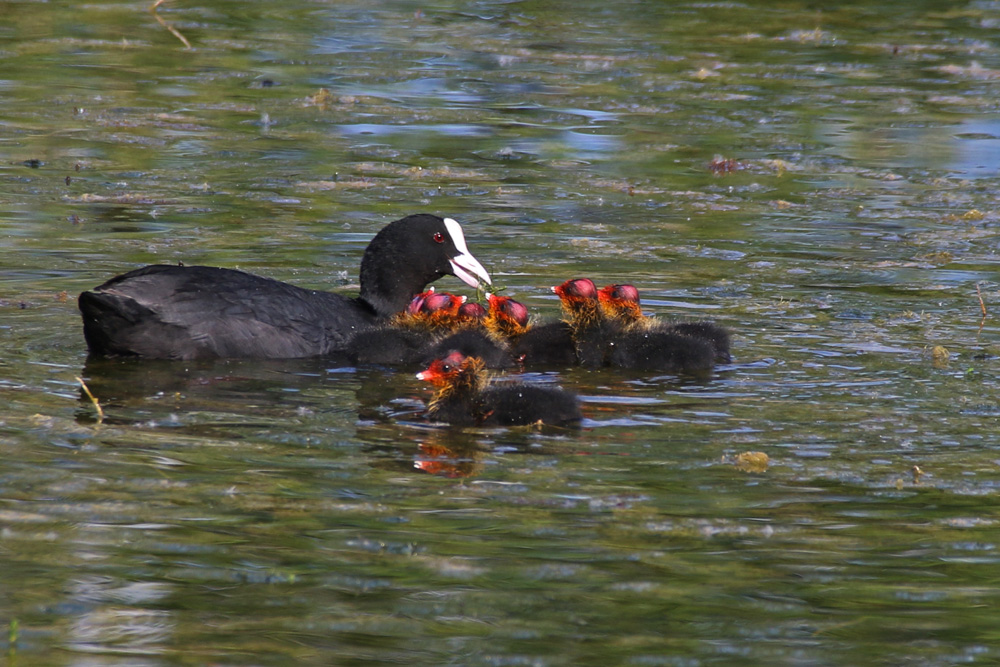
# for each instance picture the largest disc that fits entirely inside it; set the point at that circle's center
(441, 461)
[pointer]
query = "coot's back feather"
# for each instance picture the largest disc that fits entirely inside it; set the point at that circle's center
(520, 403)
(471, 343)
(546, 344)
(661, 350)
(710, 331)
(248, 316)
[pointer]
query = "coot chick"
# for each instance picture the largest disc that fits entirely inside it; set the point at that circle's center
(471, 312)
(646, 343)
(485, 334)
(465, 396)
(549, 344)
(431, 311)
(200, 312)
(404, 337)
(603, 340)
(591, 330)
(660, 350)
(534, 345)
(622, 302)
(507, 319)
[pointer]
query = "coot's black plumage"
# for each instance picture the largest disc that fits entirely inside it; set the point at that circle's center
(402, 338)
(610, 334)
(466, 396)
(592, 331)
(661, 350)
(710, 331)
(621, 302)
(199, 312)
(471, 343)
(549, 344)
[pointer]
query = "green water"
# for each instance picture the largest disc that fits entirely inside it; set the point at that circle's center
(296, 513)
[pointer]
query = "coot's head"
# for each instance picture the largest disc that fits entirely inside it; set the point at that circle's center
(620, 301)
(431, 311)
(410, 253)
(431, 302)
(619, 293)
(455, 373)
(506, 317)
(471, 312)
(444, 370)
(506, 307)
(575, 290)
(417, 302)
(578, 298)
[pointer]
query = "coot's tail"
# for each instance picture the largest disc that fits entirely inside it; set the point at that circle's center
(716, 335)
(117, 325)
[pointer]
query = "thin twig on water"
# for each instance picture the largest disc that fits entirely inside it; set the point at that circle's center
(176, 33)
(93, 399)
(982, 307)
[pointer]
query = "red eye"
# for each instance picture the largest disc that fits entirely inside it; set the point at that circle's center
(438, 237)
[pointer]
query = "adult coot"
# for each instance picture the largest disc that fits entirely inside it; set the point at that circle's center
(201, 312)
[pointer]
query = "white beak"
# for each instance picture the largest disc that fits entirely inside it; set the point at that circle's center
(466, 267)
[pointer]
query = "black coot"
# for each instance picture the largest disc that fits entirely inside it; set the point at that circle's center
(532, 344)
(402, 338)
(608, 337)
(549, 344)
(465, 396)
(592, 331)
(200, 312)
(485, 334)
(621, 302)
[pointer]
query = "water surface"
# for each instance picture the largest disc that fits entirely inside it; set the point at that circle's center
(820, 181)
